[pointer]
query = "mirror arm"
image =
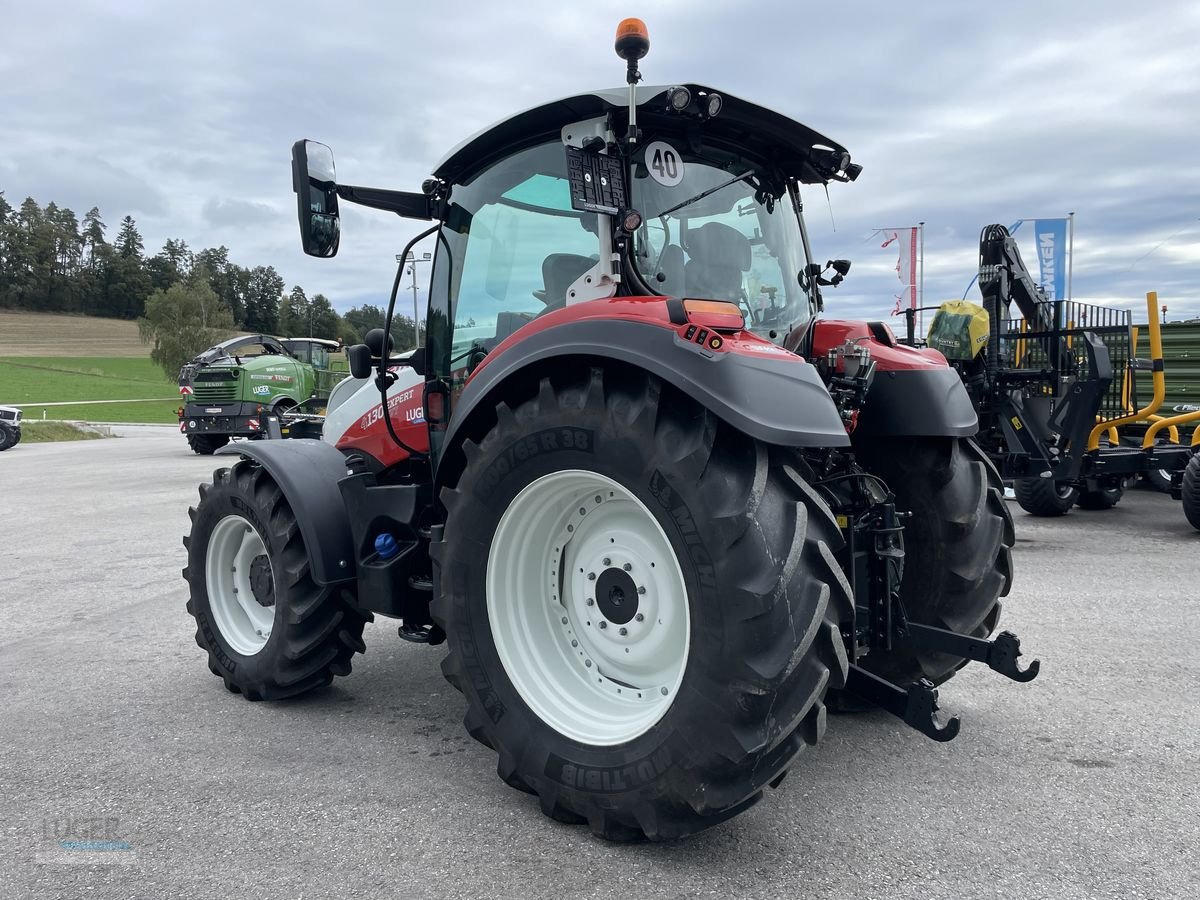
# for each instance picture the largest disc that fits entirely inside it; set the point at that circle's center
(402, 203)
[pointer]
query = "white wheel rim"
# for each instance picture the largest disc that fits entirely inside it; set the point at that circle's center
(601, 673)
(243, 621)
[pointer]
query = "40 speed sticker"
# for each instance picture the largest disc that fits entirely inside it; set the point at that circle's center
(664, 163)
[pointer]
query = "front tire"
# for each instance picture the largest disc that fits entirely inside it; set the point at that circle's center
(270, 631)
(957, 545)
(660, 726)
(1045, 497)
(8, 437)
(207, 444)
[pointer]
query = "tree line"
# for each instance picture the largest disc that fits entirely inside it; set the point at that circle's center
(50, 261)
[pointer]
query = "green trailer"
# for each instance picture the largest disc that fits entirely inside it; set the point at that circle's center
(1181, 361)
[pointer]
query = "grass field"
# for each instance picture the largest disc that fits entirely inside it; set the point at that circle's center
(52, 334)
(31, 382)
(44, 432)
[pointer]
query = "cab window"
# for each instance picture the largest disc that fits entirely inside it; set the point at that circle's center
(510, 250)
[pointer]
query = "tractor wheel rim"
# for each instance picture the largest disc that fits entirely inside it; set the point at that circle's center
(1065, 491)
(588, 607)
(243, 606)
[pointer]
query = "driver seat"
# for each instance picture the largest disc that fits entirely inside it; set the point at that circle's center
(718, 255)
(559, 272)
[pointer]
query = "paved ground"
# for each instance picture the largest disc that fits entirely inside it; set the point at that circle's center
(1081, 784)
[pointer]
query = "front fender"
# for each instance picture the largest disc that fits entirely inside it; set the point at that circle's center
(775, 399)
(917, 403)
(308, 472)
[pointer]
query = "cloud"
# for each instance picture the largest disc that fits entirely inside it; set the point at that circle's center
(961, 118)
(235, 214)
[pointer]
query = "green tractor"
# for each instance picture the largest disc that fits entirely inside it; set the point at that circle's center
(229, 389)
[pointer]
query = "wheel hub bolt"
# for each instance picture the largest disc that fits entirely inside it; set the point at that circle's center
(591, 602)
(564, 620)
(641, 590)
(624, 631)
(588, 663)
(591, 576)
(603, 624)
(607, 561)
(664, 691)
(640, 617)
(627, 567)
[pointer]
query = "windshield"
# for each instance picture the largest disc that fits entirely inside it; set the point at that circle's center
(713, 230)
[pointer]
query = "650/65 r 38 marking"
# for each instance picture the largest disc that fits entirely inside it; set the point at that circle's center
(644, 617)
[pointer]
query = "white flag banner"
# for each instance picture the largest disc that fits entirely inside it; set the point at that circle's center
(906, 265)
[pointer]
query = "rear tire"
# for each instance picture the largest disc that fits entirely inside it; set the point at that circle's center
(957, 545)
(207, 444)
(728, 539)
(8, 437)
(270, 631)
(1191, 491)
(1045, 497)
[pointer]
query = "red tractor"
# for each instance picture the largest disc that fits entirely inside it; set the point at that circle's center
(661, 513)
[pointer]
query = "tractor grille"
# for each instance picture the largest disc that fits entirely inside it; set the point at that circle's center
(215, 387)
(1054, 345)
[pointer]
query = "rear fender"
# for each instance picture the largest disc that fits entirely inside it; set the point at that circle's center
(775, 397)
(308, 472)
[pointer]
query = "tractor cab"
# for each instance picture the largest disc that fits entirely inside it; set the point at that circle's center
(657, 192)
(313, 351)
(551, 208)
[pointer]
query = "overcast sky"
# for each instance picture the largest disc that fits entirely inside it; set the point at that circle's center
(962, 114)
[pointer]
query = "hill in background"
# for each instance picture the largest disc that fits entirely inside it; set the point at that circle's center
(54, 334)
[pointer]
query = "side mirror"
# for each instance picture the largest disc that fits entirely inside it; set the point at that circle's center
(365, 357)
(360, 360)
(315, 184)
(840, 268)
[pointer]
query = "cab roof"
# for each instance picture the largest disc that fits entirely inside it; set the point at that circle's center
(760, 131)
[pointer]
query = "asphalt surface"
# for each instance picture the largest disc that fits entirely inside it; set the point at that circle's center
(1081, 784)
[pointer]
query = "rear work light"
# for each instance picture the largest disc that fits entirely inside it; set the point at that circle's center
(717, 315)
